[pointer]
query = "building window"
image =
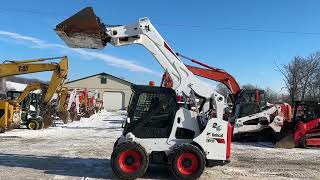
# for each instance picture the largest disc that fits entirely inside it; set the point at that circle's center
(103, 80)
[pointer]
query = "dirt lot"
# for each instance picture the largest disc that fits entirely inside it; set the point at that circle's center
(81, 150)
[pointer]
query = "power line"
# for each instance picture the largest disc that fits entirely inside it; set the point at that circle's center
(193, 26)
(240, 29)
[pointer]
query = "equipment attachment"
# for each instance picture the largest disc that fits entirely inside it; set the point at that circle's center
(83, 30)
(287, 142)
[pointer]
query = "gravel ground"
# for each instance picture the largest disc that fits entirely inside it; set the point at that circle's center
(82, 150)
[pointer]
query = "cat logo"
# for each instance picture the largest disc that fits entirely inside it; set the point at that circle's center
(23, 68)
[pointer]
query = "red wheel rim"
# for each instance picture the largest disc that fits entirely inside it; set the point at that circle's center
(187, 163)
(130, 161)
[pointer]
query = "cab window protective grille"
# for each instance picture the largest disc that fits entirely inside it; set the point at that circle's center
(151, 101)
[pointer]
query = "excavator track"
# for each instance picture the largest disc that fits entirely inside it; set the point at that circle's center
(310, 141)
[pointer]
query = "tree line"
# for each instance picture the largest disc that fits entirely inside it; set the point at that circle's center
(301, 77)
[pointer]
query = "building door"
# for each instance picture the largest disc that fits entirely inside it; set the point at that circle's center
(113, 100)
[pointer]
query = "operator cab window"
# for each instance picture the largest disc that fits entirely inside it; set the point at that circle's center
(152, 114)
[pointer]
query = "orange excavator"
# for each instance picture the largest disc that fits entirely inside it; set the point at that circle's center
(251, 113)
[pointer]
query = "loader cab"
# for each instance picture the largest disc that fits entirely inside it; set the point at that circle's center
(248, 102)
(151, 112)
(306, 111)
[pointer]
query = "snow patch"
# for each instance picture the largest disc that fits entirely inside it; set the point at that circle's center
(15, 86)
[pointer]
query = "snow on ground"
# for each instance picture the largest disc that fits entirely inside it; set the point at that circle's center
(82, 150)
(15, 86)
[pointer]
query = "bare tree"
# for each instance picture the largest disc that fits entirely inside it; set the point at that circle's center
(223, 90)
(301, 77)
(271, 95)
(249, 86)
(292, 73)
(309, 70)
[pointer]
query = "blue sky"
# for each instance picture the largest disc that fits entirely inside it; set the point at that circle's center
(193, 28)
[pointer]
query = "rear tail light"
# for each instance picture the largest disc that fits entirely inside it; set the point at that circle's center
(229, 137)
(179, 99)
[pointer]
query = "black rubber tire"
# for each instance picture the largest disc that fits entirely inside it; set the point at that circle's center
(77, 117)
(41, 124)
(33, 124)
(115, 144)
(2, 130)
(87, 114)
(64, 116)
(115, 160)
(72, 116)
(197, 153)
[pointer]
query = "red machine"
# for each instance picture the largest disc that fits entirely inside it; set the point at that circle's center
(81, 104)
(304, 129)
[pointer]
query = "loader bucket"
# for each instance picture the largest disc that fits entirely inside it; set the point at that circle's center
(287, 142)
(83, 30)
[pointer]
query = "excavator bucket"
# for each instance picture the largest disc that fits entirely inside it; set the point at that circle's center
(83, 30)
(287, 142)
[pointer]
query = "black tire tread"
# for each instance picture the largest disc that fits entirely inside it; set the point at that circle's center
(188, 148)
(115, 153)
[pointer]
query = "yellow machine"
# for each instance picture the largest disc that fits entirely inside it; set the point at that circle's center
(9, 111)
(62, 110)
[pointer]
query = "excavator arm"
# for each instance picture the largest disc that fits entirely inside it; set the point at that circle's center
(28, 89)
(10, 67)
(60, 71)
(58, 77)
(62, 99)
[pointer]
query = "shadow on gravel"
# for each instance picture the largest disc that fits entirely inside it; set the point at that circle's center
(64, 166)
(158, 172)
(114, 121)
(257, 144)
(75, 167)
(93, 128)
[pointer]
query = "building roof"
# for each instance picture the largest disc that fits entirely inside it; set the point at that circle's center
(99, 74)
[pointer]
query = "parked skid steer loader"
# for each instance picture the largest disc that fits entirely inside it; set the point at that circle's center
(10, 110)
(158, 129)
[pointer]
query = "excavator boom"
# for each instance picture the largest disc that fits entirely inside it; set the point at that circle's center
(10, 68)
(60, 71)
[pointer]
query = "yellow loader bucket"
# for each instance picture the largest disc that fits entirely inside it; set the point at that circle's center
(83, 30)
(287, 142)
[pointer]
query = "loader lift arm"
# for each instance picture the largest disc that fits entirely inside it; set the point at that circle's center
(84, 30)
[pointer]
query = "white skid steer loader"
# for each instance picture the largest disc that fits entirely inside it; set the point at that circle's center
(187, 136)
